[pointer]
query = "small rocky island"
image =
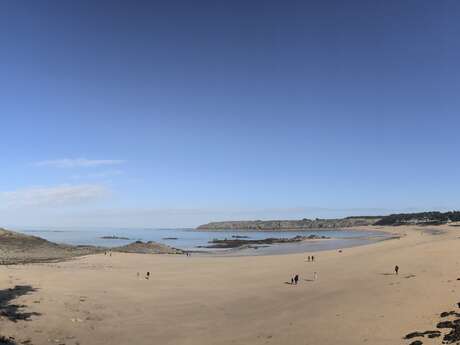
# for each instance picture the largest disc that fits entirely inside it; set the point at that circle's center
(113, 237)
(238, 243)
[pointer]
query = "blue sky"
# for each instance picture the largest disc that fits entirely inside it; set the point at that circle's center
(146, 113)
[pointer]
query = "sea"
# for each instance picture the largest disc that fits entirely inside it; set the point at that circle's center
(195, 240)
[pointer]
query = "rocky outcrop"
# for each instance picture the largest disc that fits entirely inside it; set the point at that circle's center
(147, 248)
(237, 243)
(19, 248)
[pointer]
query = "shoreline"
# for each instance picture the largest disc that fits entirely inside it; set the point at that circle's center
(283, 248)
(32, 249)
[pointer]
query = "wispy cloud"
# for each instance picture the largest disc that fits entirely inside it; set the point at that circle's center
(97, 175)
(63, 195)
(78, 163)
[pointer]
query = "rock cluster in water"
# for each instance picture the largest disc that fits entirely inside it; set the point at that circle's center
(238, 242)
(114, 238)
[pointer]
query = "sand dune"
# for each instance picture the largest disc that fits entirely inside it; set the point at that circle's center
(240, 300)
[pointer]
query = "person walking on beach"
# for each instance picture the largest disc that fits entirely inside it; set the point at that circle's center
(308, 258)
(396, 269)
(312, 258)
(147, 276)
(296, 279)
(292, 281)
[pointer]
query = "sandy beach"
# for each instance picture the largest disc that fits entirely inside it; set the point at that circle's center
(356, 299)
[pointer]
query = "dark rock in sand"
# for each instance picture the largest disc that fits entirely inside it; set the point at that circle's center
(453, 336)
(430, 334)
(449, 313)
(445, 324)
(417, 342)
(434, 335)
(413, 335)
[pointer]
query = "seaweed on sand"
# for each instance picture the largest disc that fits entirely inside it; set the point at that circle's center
(13, 311)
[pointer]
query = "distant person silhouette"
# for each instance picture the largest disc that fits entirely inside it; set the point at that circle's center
(396, 269)
(147, 276)
(292, 281)
(296, 279)
(312, 258)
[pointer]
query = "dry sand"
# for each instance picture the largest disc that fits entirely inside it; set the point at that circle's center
(239, 300)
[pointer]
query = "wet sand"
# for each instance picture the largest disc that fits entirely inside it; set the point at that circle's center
(357, 299)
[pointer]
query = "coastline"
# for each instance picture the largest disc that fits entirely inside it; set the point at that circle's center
(92, 299)
(196, 241)
(345, 228)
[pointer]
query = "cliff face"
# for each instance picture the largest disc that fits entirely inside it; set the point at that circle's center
(304, 224)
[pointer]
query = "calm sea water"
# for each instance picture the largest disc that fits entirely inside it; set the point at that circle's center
(189, 239)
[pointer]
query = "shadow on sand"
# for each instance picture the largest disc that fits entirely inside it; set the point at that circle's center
(13, 311)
